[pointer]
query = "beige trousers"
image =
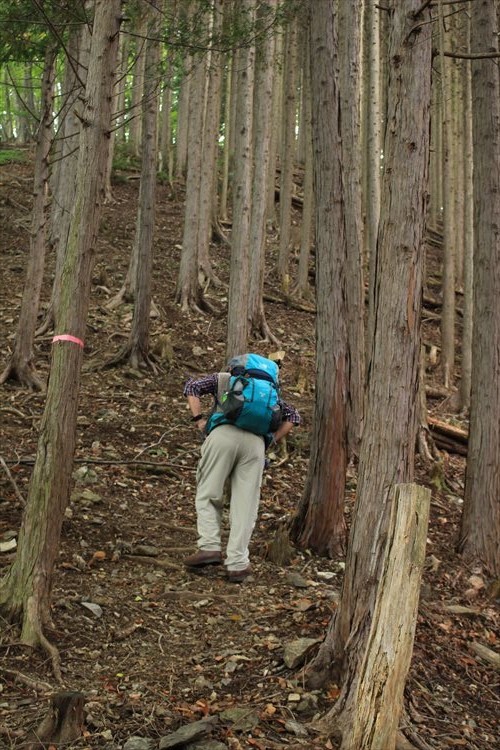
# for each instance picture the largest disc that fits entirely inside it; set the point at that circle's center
(229, 453)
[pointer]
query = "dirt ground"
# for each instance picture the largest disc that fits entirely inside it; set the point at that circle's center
(151, 646)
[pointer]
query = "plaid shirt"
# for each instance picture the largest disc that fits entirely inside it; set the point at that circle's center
(207, 386)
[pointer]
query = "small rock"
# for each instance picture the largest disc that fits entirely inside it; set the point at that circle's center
(188, 733)
(296, 651)
(94, 608)
(244, 720)
(326, 575)
(208, 745)
(295, 728)
(308, 703)
(296, 580)
(294, 698)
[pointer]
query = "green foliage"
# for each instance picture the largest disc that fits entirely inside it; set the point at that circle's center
(11, 156)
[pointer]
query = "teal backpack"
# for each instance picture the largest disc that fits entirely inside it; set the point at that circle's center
(248, 396)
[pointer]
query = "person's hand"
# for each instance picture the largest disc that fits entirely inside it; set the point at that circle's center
(201, 424)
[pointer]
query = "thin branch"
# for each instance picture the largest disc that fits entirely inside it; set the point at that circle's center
(12, 481)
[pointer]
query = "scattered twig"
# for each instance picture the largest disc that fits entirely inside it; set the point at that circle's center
(12, 481)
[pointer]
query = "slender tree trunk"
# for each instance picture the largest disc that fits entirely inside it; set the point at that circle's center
(223, 201)
(138, 86)
(306, 234)
(189, 292)
(22, 365)
(349, 63)
(466, 368)
(138, 348)
(287, 158)
(480, 529)
(262, 125)
(64, 176)
(25, 590)
(209, 167)
(448, 285)
(238, 323)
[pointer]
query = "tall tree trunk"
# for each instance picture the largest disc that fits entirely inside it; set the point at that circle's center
(238, 323)
(262, 129)
(63, 198)
(189, 293)
(349, 64)
(138, 345)
(480, 529)
(209, 166)
(138, 84)
(287, 155)
(388, 446)
(25, 590)
(306, 230)
(22, 365)
(448, 284)
(466, 364)
(319, 523)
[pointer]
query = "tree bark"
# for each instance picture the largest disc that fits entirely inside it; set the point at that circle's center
(238, 323)
(319, 522)
(368, 710)
(287, 156)
(138, 346)
(480, 528)
(262, 130)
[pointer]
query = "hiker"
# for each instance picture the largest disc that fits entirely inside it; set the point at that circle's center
(247, 417)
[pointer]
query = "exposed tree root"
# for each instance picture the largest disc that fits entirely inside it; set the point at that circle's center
(135, 358)
(261, 331)
(36, 685)
(24, 374)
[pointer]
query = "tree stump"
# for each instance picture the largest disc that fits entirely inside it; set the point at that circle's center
(63, 723)
(379, 653)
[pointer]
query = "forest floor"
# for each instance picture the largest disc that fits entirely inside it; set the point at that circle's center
(151, 646)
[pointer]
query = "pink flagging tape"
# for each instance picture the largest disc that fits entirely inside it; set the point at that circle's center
(67, 337)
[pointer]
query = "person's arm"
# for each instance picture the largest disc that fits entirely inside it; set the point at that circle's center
(194, 403)
(282, 430)
(193, 390)
(291, 418)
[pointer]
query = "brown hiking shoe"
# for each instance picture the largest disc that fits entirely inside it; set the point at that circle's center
(204, 557)
(237, 576)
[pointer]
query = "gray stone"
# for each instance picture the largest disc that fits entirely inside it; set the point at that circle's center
(188, 733)
(244, 719)
(295, 652)
(208, 745)
(308, 703)
(295, 728)
(296, 580)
